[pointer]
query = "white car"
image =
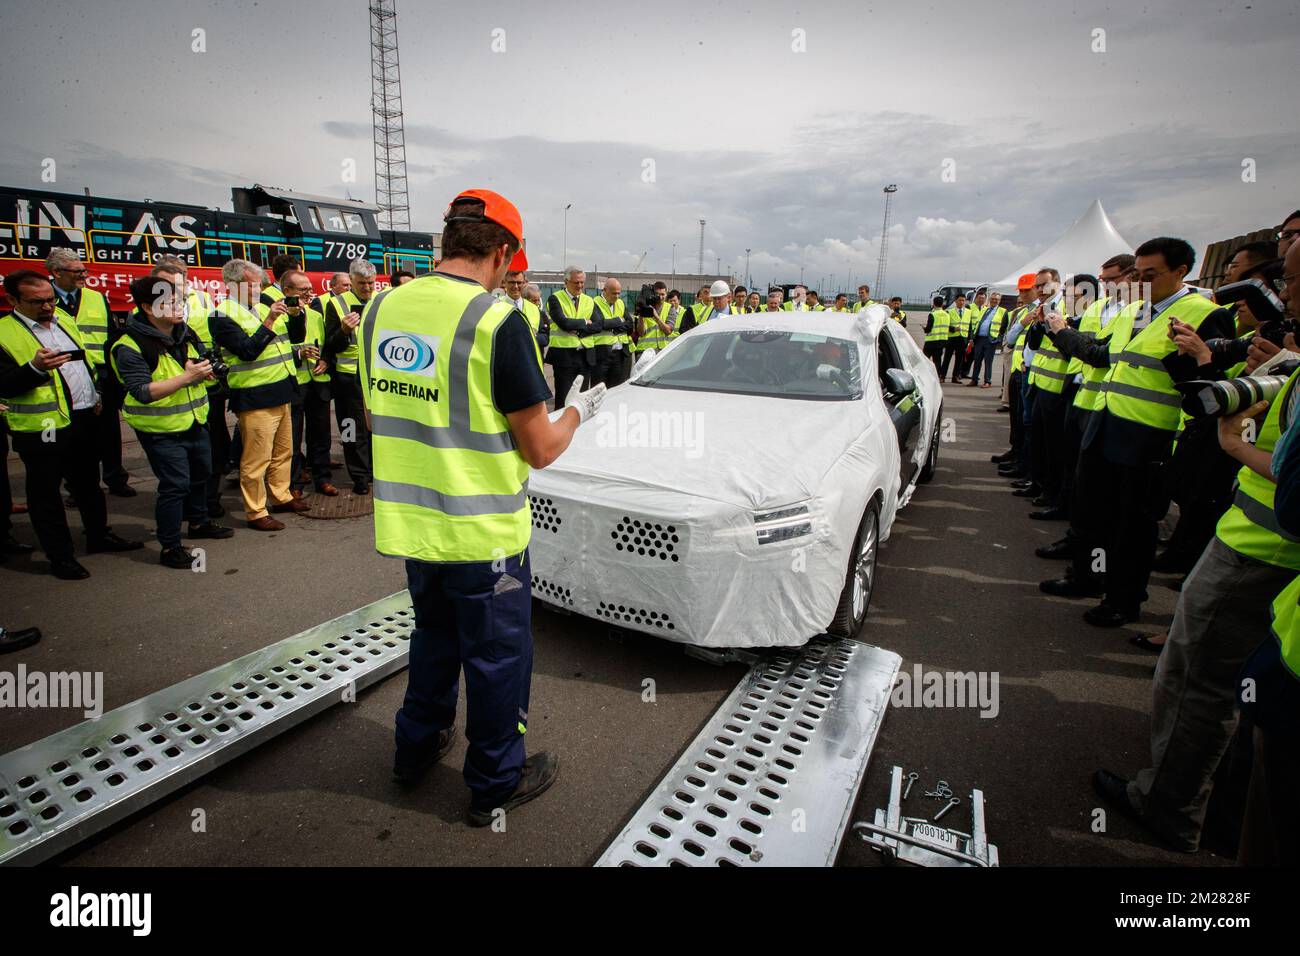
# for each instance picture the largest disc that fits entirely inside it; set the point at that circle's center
(733, 493)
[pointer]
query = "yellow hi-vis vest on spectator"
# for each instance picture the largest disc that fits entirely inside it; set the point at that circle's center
(92, 320)
(860, 305)
(1089, 325)
(939, 327)
(580, 309)
(533, 316)
(450, 485)
(47, 404)
(275, 361)
(1137, 386)
(1047, 371)
(1018, 351)
(179, 411)
(1250, 527)
(1286, 625)
(652, 337)
(315, 335)
(198, 306)
(616, 311)
(346, 361)
(273, 292)
(1117, 332)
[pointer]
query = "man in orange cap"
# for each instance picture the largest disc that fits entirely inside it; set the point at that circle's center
(457, 405)
(1014, 365)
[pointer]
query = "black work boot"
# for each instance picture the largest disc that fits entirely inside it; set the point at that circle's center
(409, 767)
(540, 771)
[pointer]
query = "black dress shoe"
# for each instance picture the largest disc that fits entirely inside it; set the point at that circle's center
(1105, 615)
(1022, 483)
(409, 768)
(211, 530)
(1114, 790)
(1056, 513)
(1056, 550)
(11, 545)
(111, 542)
(180, 558)
(1068, 587)
(1017, 472)
(361, 488)
(1044, 501)
(1005, 456)
(122, 491)
(11, 641)
(1030, 490)
(69, 570)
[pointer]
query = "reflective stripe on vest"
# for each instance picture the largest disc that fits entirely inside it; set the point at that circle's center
(92, 321)
(1047, 371)
(449, 486)
(651, 336)
(1250, 526)
(273, 363)
(1138, 387)
(179, 411)
(939, 326)
(582, 309)
(607, 312)
(1018, 351)
(30, 411)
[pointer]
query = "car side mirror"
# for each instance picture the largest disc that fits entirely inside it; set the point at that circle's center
(899, 383)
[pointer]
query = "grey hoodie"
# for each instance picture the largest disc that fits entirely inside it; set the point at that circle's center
(132, 367)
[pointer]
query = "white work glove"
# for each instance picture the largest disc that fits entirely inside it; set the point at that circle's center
(647, 359)
(587, 403)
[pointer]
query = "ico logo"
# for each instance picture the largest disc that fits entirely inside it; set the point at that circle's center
(408, 352)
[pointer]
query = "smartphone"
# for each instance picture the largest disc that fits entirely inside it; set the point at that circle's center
(75, 355)
(291, 302)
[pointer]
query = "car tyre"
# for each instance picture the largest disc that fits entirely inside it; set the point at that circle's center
(932, 459)
(860, 579)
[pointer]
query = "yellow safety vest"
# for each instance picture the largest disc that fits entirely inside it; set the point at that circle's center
(275, 361)
(1117, 333)
(939, 327)
(179, 411)
(45, 404)
(450, 485)
(92, 320)
(860, 305)
(1047, 371)
(617, 311)
(581, 309)
(1018, 351)
(1249, 526)
(1286, 625)
(346, 361)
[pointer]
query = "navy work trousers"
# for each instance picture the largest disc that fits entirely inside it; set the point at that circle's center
(472, 617)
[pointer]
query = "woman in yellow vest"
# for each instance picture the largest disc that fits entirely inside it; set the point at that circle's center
(157, 361)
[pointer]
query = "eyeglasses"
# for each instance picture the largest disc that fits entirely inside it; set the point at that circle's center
(41, 303)
(1286, 234)
(75, 272)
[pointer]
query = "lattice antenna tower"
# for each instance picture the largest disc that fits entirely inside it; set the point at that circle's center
(884, 240)
(390, 132)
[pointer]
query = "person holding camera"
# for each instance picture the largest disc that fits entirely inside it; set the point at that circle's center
(46, 381)
(262, 381)
(310, 410)
(158, 362)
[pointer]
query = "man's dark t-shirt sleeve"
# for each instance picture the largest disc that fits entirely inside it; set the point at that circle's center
(517, 379)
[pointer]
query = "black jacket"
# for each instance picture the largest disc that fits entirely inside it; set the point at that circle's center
(228, 335)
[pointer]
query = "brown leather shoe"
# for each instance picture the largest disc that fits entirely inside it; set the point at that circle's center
(266, 523)
(296, 505)
(326, 489)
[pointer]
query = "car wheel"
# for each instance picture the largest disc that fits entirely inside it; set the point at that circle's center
(861, 577)
(932, 459)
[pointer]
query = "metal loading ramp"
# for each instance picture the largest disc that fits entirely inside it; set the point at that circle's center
(70, 785)
(772, 778)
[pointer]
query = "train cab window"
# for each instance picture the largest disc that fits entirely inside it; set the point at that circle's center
(356, 225)
(313, 219)
(331, 219)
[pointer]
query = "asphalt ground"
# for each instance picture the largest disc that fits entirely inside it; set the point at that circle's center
(956, 591)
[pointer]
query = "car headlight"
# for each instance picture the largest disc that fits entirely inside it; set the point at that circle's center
(792, 521)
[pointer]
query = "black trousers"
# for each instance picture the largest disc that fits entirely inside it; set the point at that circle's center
(953, 349)
(1071, 437)
(1047, 428)
(6, 493)
(350, 413)
(1117, 510)
(1017, 412)
(934, 352)
(219, 439)
(71, 457)
(568, 364)
(108, 437)
(296, 436)
(618, 369)
(316, 428)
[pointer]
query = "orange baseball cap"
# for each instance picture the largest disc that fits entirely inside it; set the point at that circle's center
(497, 209)
(1026, 281)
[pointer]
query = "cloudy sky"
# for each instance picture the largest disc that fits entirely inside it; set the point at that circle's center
(778, 123)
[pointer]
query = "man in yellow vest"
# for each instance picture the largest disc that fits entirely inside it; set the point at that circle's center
(46, 382)
(774, 300)
(280, 264)
(954, 351)
(1224, 610)
(89, 310)
(1012, 463)
(703, 302)
(896, 310)
(516, 283)
(739, 300)
(754, 303)
(936, 333)
(156, 359)
(457, 404)
(1119, 493)
(574, 325)
(255, 343)
(987, 328)
(310, 411)
(614, 341)
(341, 347)
(864, 298)
(657, 321)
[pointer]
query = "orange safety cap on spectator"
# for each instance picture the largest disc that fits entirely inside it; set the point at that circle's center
(1026, 281)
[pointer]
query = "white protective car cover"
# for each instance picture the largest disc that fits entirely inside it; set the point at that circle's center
(648, 519)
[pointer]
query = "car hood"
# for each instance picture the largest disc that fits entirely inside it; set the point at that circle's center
(747, 451)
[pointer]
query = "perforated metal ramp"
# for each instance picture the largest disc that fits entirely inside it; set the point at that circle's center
(772, 778)
(62, 789)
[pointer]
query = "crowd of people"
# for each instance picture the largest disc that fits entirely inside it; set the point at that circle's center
(1098, 370)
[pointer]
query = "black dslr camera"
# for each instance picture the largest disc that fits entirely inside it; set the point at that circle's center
(647, 303)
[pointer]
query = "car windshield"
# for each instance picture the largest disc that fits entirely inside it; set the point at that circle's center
(780, 364)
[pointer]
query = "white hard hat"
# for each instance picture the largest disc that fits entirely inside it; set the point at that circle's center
(719, 288)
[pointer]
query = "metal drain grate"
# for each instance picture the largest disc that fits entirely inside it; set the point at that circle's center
(773, 776)
(345, 504)
(60, 790)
